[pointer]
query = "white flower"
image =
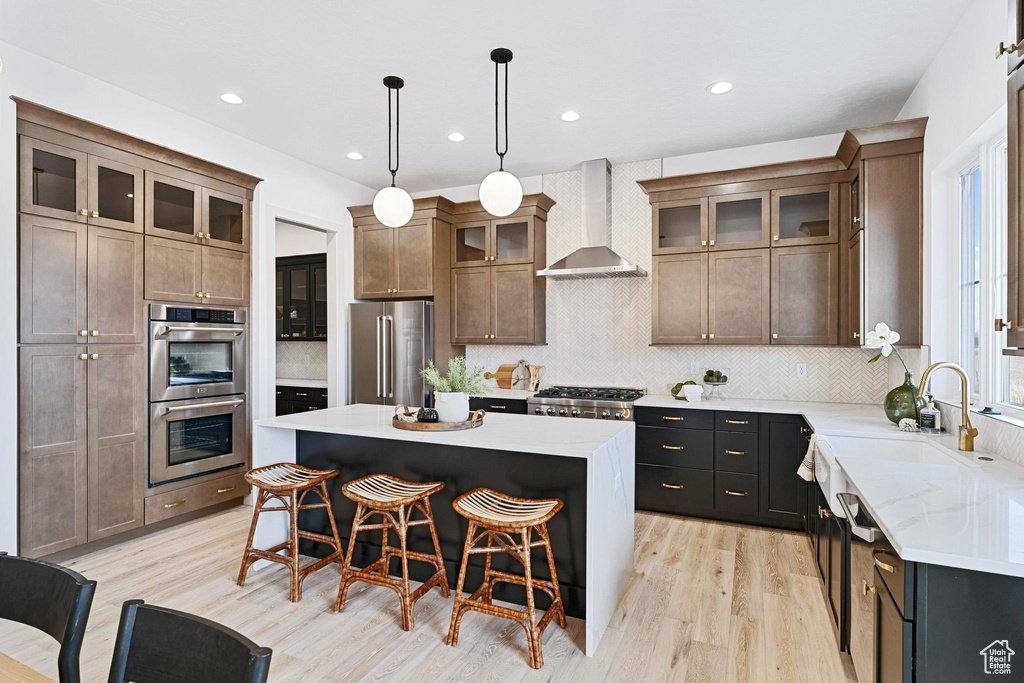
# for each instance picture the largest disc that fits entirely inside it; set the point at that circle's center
(881, 338)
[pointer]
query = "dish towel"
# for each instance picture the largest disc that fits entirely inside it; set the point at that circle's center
(806, 469)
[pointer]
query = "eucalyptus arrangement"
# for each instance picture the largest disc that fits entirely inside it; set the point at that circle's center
(903, 402)
(451, 393)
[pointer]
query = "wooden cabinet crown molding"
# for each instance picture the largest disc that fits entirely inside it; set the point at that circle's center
(450, 212)
(51, 118)
(422, 208)
(894, 134)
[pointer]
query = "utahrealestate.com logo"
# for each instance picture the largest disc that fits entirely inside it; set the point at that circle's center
(997, 657)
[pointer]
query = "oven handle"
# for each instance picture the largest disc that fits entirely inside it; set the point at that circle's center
(178, 328)
(193, 406)
(868, 533)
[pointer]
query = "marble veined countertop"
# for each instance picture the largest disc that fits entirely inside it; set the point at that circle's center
(311, 383)
(934, 503)
(522, 433)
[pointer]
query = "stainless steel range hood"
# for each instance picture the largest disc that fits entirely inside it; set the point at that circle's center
(594, 258)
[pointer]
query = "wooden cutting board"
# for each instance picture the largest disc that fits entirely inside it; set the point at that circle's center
(503, 375)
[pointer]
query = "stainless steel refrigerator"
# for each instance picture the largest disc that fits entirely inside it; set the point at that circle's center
(388, 345)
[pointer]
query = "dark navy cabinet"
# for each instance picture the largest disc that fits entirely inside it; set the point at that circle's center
(498, 405)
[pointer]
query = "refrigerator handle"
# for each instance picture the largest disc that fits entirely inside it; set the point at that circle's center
(380, 320)
(389, 374)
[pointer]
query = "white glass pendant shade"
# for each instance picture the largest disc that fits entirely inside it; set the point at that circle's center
(393, 206)
(501, 193)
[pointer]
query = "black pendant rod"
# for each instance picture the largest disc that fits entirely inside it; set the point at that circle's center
(499, 56)
(393, 83)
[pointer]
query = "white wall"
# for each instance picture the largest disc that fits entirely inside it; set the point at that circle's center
(752, 155)
(470, 193)
(962, 88)
(311, 195)
(296, 240)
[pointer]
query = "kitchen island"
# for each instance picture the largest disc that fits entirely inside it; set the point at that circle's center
(589, 464)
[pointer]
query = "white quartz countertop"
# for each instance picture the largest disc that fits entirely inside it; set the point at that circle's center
(312, 383)
(934, 503)
(521, 433)
(495, 392)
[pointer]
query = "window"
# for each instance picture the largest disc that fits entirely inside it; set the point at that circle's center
(996, 380)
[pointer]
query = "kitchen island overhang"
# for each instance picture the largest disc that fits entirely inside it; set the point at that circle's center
(587, 463)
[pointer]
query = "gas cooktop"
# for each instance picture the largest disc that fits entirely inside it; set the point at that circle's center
(588, 402)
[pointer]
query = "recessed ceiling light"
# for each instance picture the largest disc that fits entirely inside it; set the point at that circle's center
(456, 137)
(231, 98)
(571, 116)
(354, 156)
(720, 88)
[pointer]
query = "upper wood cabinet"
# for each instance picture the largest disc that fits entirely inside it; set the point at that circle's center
(183, 210)
(679, 313)
(738, 297)
(472, 299)
(739, 221)
(394, 262)
(497, 305)
(679, 227)
(79, 283)
(805, 297)
(195, 273)
(501, 241)
(225, 220)
(1014, 45)
(116, 193)
(838, 244)
(805, 215)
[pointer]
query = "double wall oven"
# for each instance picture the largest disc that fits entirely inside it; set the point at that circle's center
(197, 390)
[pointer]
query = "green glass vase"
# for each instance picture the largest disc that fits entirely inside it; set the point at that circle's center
(904, 401)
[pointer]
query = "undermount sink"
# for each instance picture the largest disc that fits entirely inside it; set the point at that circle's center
(899, 448)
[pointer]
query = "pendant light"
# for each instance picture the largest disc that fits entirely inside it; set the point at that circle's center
(501, 193)
(393, 206)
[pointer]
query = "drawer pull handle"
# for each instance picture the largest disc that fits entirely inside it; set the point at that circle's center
(669, 417)
(497, 407)
(886, 567)
(299, 393)
(174, 505)
(737, 422)
(230, 488)
(735, 452)
(672, 486)
(671, 448)
(735, 493)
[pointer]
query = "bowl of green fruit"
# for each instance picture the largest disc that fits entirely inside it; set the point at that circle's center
(687, 391)
(715, 379)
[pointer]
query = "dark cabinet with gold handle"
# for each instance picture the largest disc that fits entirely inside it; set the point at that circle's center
(300, 399)
(498, 405)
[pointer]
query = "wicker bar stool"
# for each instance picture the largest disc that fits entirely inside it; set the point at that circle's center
(394, 500)
(498, 516)
(289, 483)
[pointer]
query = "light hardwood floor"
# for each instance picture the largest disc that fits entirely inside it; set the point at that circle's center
(708, 602)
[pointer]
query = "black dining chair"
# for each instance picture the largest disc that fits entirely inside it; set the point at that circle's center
(160, 645)
(51, 598)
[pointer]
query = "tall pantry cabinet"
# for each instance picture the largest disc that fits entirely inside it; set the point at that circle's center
(91, 204)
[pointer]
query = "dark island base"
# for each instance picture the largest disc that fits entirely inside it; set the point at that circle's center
(525, 475)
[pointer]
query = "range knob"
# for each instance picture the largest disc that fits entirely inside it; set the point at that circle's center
(539, 411)
(605, 414)
(620, 415)
(563, 412)
(575, 412)
(551, 411)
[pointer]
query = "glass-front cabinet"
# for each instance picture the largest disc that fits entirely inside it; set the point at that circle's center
(301, 298)
(739, 221)
(173, 208)
(225, 220)
(498, 242)
(471, 244)
(805, 215)
(680, 227)
(53, 180)
(116, 192)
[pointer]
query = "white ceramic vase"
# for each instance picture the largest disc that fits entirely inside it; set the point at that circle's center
(451, 406)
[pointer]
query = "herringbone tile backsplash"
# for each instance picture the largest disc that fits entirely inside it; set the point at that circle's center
(302, 360)
(599, 331)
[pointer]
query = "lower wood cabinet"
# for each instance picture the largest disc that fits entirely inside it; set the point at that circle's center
(163, 506)
(82, 444)
(498, 305)
(805, 295)
(195, 273)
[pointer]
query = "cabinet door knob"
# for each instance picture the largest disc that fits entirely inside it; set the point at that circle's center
(856, 335)
(83, 333)
(95, 333)
(206, 295)
(1002, 325)
(865, 588)
(83, 356)
(703, 336)
(95, 356)
(703, 243)
(856, 219)
(712, 243)
(84, 212)
(775, 238)
(712, 335)
(199, 294)
(95, 214)
(775, 335)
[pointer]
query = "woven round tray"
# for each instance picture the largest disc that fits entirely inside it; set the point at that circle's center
(473, 420)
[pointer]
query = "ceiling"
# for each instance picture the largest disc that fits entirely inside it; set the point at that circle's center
(636, 70)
